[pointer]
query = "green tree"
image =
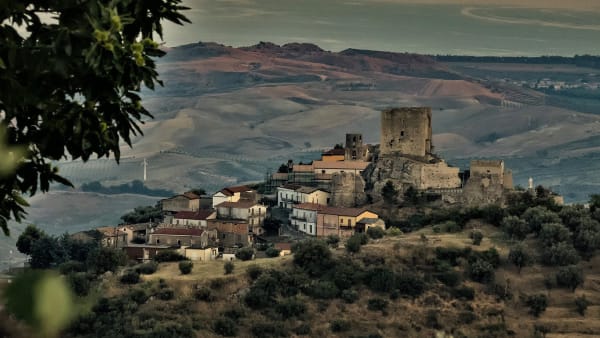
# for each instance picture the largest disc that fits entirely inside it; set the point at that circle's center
(228, 266)
(389, 194)
(552, 233)
(143, 214)
(70, 87)
(185, 267)
(536, 216)
(569, 277)
(520, 257)
(581, 303)
(353, 244)
(515, 227)
(106, 259)
(47, 252)
(594, 202)
(537, 304)
(560, 254)
(313, 256)
(28, 238)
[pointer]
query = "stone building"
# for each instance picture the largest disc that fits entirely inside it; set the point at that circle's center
(488, 180)
(406, 131)
(355, 149)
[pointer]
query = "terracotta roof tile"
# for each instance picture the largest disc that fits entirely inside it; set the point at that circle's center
(195, 215)
(238, 204)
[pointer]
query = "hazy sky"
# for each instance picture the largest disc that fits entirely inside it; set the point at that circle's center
(474, 27)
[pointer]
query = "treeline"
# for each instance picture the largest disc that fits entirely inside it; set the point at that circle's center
(134, 187)
(577, 60)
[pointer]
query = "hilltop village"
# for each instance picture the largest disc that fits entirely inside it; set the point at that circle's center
(339, 194)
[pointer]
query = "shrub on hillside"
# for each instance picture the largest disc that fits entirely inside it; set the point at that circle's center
(464, 292)
(377, 304)
(333, 241)
(272, 252)
(254, 271)
(168, 256)
(228, 266)
(552, 233)
(80, 283)
(581, 304)
(322, 289)
(165, 294)
(130, 277)
(481, 271)
(140, 296)
(449, 278)
(268, 330)
(394, 231)
(537, 304)
(339, 325)
(380, 279)
(375, 232)
(560, 254)
(477, 237)
(147, 268)
(185, 267)
(313, 256)
(451, 255)
(569, 277)
(353, 244)
(225, 327)
(520, 257)
(409, 283)
(536, 216)
(72, 266)
(302, 329)
(204, 294)
(106, 259)
(245, 254)
(515, 227)
(493, 214)
(291, 307)
(349, 296)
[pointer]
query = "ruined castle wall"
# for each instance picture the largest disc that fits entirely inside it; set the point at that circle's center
(438, 176)
(487, 167)
(406, 131)
(347, 190)
(508, 179)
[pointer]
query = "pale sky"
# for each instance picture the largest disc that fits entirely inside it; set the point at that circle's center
(567, 4)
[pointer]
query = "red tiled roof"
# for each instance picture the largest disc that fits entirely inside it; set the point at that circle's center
(323, 209)
(191, 195)
(195, 215)
(309, 206)
(238, 204)
(334, 151)
(178, 231)
(229, 191)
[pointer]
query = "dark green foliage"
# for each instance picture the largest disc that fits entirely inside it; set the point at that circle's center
(78, 98)
(389, 193)
(493, 214)
(409, 283)
(581, 304)
(130, 277)
(147, 268)
(72, 266)
(466, 317)
(380, 279)
(515, 227)
(322, 289)
(26, 239)
(349, 296)
(345, 274)
(185, 267)
(290, 307)
(234, 313)
(536, 216)
(204, 294)
(464, 292)
(272, 225)
(449, 278)
(491, 256)
(552, 233)
(560, 254)
(375, 232)
(333, 240)
(272, 252)
(540, 330)
(225, 327)
(569, 277)
(80, 283)
(339, 325)
(244, 254)
(228, 266)
(480, 270)
(140, 296)
(431, 320)
(254, 271)
(537, 304)
(353, 244)
(47, 252)
(477, 237)
(313, 256)
(302, 329)
(133, 187)
(144, 214)
(168, 256)
(377, 304)
(165, 294)
(451, 255)
(268, 330)
(520, 257)
(594, 202)
(106, 259)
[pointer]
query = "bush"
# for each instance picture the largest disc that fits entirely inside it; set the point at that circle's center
(394, 231)
(268, 330)
(165, 294)
(449, 278)
(375, 232)
(464, 292)
(168, 256)
(72, 266)
(234, 313)
(228, 266)
(147, 268)
(481, 271)
(139, 296)
(431, 320)
(377, 304)
(204, 294)
(569, 277)
(515, 227)
(106, 259)
(353, 244)
(520, 257)
(291, 307)
(322, 289)
(333, 241)
(380, 279)
(537, 304)
(313, 256)
(552, 233)
(225, 327)
(272, 252)
(560, 254)
(349, 296)
(254, 271)
(185, 267)
(302, 329)
(339, 325)
(245, 254)
(80, 283)
(477, 237)
(130, 277)
(466, 317)
(410, 284)
(581, 304)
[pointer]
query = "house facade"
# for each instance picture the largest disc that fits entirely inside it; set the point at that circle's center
(232, 232)
(304, 217)
(193, 218)
(184, 202)
(291, 194)
(233, 194)
(333, 167)
(182, 237)
(143, 252)
(341, 221)
(251, 212)
(201, 254)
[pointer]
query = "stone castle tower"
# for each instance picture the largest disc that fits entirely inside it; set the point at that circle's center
(354, 147)
(406, 131)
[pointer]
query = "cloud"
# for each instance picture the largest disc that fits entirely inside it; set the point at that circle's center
(570, 4)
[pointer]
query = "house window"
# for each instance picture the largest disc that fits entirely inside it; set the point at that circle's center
(402, 133)
(322, 171)
(178, 242)
(158, 241)
(349, 222)
(310, 229)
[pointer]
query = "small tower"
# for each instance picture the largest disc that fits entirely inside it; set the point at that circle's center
(530, 183)
(354, 147)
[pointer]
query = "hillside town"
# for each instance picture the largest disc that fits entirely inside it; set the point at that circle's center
(338, 194)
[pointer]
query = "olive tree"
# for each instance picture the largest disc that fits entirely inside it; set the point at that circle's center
(70, 85)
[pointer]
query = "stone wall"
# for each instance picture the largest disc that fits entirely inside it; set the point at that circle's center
(438, 176)
(406, 131)
(347, 190)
